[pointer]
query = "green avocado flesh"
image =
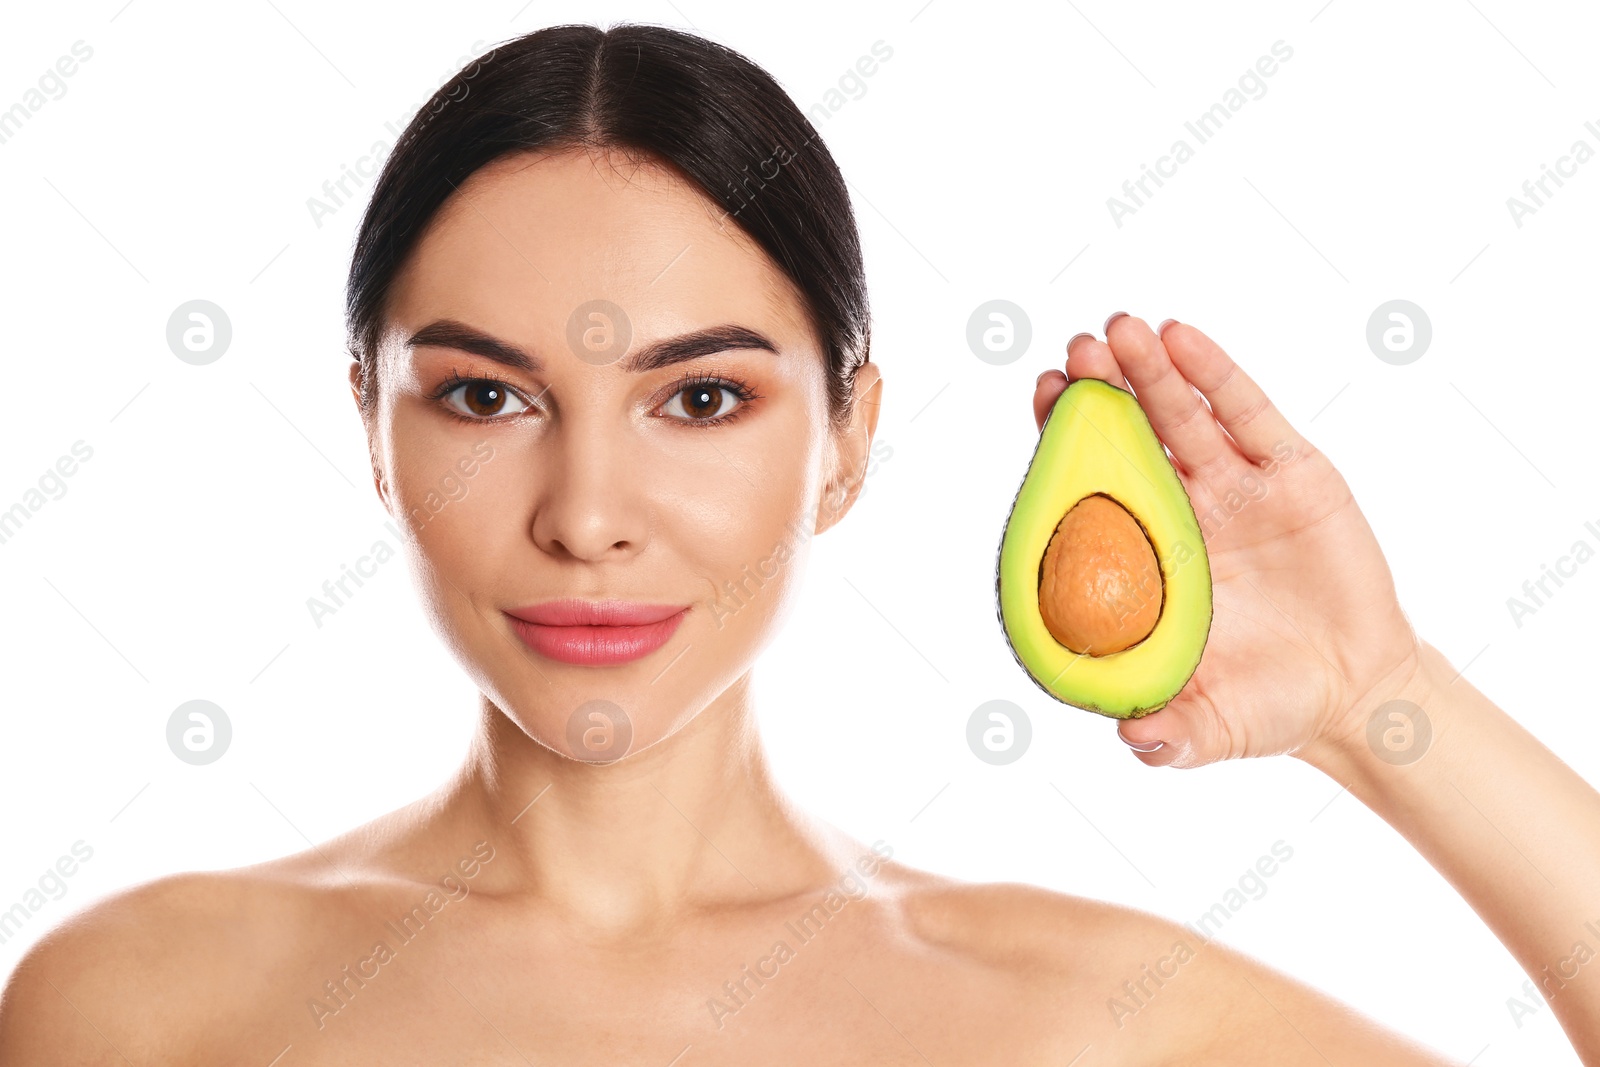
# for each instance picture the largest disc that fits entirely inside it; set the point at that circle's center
(1097, 441)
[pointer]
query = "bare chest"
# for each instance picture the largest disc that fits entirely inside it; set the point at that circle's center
(476, 993)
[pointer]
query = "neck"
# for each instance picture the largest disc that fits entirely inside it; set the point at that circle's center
(691, 821)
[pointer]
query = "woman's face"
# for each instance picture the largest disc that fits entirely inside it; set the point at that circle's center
(595, 470)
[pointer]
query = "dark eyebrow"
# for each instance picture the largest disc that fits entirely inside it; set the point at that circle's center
(450, 333)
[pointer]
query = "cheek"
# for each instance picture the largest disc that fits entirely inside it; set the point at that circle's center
(743, 527)
(439, 484)
(742, 543)
(452, 490)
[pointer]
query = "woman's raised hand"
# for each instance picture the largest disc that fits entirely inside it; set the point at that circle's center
(1307, 633)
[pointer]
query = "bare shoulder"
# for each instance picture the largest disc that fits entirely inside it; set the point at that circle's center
(1080, 942)
(178, 969)
(1072, 954)
(1141, 988)
(134, 975)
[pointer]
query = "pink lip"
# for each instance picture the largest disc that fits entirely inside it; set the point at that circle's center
(596, 633)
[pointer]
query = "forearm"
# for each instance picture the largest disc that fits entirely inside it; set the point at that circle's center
(1512, 827)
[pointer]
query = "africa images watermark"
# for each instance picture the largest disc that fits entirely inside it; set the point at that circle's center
(1138, 992)
(51, 486)
(738, 592)
(52, 81)
(853, 82)
(853, 885)
(451, 488)
(339, 992)
(1202, 128)
(51, 885)
(336, 192)
(1566, 167)
(1565, 970)
(1566, 567)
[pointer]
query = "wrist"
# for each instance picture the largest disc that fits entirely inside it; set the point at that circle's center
(1391, 725)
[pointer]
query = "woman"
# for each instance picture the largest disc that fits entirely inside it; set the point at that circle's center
(610, 282)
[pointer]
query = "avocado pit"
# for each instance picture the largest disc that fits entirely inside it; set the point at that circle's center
(1100, 584)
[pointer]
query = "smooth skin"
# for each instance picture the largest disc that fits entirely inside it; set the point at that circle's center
(594, 910)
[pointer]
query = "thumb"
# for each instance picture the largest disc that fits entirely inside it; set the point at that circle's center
(1185, 733)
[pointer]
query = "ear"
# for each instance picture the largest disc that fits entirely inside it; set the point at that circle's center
(378, 482)
(852, 448)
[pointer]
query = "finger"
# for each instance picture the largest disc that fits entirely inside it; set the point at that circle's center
(1177, 413)
(1255, 424)
(1089, 358)
(1086, 358)
(1188, 734)
(1052, 383)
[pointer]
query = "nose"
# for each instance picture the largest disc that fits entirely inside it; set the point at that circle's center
(591, 504)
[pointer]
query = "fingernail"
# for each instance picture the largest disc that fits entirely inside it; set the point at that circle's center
(1163, 327)
(1074, 337)
(1150, 746)
(1115, 315)
(1040, 380)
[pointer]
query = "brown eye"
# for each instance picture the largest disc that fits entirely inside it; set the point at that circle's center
(702, 402)
(482, 398)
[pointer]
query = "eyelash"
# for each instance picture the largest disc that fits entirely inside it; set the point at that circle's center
(689, 381)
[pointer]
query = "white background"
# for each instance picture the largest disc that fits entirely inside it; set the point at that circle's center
(178, 163)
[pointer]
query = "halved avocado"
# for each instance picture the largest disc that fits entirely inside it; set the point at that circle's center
(1102, 583)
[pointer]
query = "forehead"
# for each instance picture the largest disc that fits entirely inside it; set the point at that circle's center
(530, 238)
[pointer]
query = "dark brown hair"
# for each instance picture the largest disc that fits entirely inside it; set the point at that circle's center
(714, 116)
